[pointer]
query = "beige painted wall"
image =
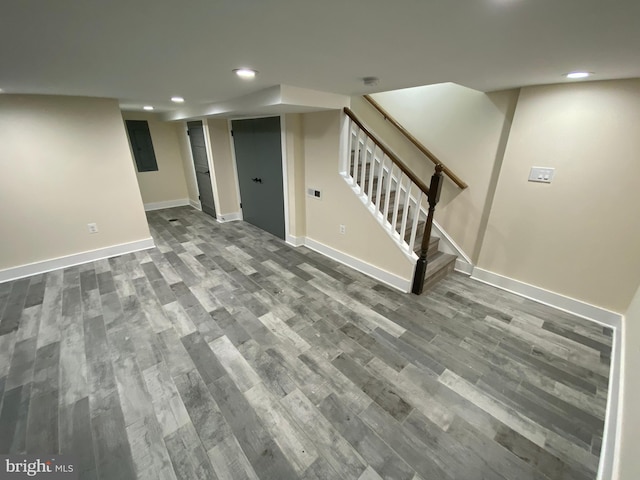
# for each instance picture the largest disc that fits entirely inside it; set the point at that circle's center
(467, 130)
(628, 460)
(339, 205)
(168, 182)
(64, 162)
(224, 172)
(578, 236)
(295, 174)
(187, 162)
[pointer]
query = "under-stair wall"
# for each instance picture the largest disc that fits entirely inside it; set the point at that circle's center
(467, 130)
(364, 243)
(397, 199)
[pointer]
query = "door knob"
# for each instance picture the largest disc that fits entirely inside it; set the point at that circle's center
(257, 180)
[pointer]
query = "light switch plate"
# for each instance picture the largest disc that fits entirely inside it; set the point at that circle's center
(541, 174)
(314, 192)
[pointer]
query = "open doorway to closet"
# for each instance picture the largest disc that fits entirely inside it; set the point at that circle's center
(201, 166)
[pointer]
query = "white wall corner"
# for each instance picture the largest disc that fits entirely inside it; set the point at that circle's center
(613, 414)
(180, 202)
(43, 266)
(613, 451)
(295, 241)
(463, 266)
(229, 217)
(195, 204)
(388, 278)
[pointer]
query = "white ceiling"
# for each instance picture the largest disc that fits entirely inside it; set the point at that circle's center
(145, 51)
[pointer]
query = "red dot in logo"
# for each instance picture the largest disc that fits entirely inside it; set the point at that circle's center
(48, 462)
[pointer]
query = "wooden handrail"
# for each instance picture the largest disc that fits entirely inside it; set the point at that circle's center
(421, 185)
(457, 180)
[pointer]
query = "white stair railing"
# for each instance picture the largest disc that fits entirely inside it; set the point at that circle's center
(397, 202)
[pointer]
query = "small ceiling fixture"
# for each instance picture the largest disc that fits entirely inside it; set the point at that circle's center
(148, 107)
(177, 99)
(577, 75)
(371, 81)
(245, 73)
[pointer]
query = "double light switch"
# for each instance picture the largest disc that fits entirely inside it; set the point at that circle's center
(541, 174)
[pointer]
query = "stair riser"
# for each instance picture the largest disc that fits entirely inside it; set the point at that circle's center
(433, 253)
(435, 277)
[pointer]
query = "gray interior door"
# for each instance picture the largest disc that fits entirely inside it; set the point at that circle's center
(259, 159)
(201, 164)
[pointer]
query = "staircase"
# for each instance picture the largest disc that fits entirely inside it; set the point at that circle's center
(396, 198)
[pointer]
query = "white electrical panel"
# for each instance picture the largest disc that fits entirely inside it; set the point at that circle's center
(541, 174)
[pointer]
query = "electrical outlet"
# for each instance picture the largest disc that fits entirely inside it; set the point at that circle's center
(343, 229)
(93, 227)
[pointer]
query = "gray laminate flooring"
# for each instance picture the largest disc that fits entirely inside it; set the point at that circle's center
(224, 353)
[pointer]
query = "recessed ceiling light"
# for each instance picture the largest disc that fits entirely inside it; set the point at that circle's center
(148, 107)
(245, 73)
(576, 75)
(177, 99)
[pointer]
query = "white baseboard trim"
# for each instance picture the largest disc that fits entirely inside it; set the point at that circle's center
(448, 245)
(556, 300)
(180, 202)
(43, 266)
(195, 204)
(229, 217)
(295, 241)
(590, 312)
(463, 266)
(379, 274)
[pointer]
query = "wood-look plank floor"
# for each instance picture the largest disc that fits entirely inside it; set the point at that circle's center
(226, 354)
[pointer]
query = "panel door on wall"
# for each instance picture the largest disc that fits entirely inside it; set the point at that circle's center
(258, 150)
(201, 164)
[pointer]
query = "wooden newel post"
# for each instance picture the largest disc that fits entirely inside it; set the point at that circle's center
(435, 187)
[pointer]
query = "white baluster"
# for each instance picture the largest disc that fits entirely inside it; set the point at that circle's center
(372, 173)
(353, 145)
(380, 181)
(356, 158)
(363, 168)
(416, 217)
(388, 191)
(405, 212)
(396, 205)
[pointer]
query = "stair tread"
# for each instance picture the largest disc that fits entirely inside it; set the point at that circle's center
(439, 264)
(433, 241)
(440, 260)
